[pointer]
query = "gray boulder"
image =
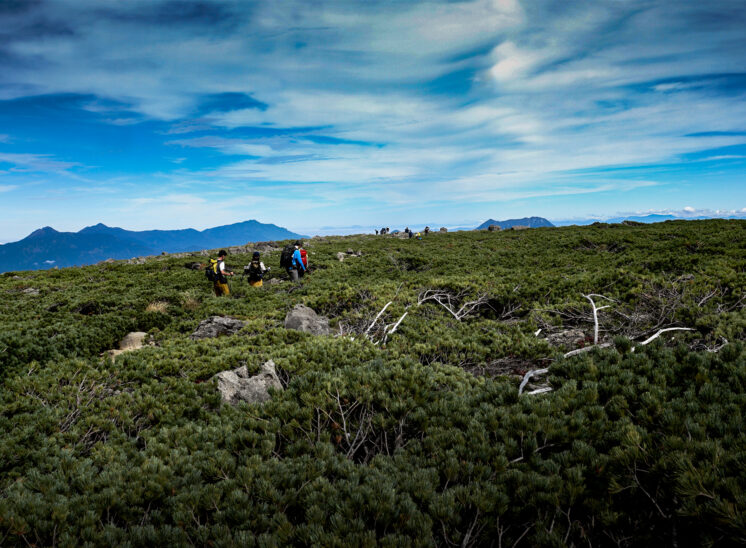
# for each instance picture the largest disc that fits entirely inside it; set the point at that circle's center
(340, 256)
(236, 386)
(443, 229)
(215, 326)
(305, 319)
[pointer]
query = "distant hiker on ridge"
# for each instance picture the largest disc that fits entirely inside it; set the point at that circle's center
(217, 274)
(255, 270)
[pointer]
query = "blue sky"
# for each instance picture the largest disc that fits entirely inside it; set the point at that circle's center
(323, 116)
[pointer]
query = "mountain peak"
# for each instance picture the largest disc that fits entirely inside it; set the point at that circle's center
(94, 228)
(46, 231)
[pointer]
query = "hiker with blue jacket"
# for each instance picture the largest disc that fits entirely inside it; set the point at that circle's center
(292, 261)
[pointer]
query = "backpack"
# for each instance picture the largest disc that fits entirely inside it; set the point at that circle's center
(304, 257)
(211, 270)
(286, 258)
(255, 271)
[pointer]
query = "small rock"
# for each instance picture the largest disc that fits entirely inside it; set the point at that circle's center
(30, 291)
(132, 341)
(493, 228)
(341, 256)
(303, 318)
(215, 326)
(570, 338)
(236, 386)
(350, 251)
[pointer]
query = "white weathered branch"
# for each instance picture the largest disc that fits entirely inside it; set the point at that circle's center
(528, 375)
(539, 391)
(595, 313)
(444, 299)
(660, 332)
(377, 317)
(586, 349)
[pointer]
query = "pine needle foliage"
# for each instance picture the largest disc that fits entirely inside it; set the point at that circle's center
(411, 438)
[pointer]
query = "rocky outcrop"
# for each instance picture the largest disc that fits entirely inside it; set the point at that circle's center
(236, 386)
(216, 326)
(305, 319)
(493, 228)
(443, 229)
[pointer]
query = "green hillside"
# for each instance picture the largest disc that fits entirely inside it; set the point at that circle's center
(416, 437)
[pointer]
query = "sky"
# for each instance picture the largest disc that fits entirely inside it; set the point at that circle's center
(332, 117)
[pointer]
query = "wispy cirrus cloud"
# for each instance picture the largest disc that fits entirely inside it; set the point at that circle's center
(477, 103)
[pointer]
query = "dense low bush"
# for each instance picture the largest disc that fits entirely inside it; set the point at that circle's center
(395, 443)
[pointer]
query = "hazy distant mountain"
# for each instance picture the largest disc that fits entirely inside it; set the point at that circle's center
(47, 248)
(652, 218)
(531, 222)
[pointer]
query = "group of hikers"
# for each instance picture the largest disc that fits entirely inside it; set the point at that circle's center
(293, 259)
(411, 234)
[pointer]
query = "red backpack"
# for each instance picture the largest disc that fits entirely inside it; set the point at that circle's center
(304, 257)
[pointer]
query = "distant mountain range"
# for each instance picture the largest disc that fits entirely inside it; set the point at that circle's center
(46, 248)
(531, 222)
(653, 218)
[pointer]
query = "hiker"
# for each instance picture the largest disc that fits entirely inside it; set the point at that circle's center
(427, 230)
(292, 261)
(255, 270)
(217, 273)
(376, 232)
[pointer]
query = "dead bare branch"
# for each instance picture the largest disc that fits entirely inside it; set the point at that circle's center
(528, 376)
(660, 332)
(450, 301)
(595, 313)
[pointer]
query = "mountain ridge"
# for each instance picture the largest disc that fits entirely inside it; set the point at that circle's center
(531, 222)
(47, 248)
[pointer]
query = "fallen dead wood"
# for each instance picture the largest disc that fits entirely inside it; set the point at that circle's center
(528, 376)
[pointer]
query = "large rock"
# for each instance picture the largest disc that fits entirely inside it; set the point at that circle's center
(443, 229)
(215, 326)
(493, 228)
(236, 386)
(305, 319)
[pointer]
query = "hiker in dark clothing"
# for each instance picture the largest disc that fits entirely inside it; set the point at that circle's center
(255, 271)
(296, 264)
(220, 285)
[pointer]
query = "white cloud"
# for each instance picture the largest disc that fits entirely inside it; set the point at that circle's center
(35, 163)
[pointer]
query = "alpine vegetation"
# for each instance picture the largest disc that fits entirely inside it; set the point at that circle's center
(546, 387)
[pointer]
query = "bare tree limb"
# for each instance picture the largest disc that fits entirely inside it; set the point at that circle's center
(586, 349)
(377, 317)
(660, 332)
(449, 301)
(595, 313)
(528, 375)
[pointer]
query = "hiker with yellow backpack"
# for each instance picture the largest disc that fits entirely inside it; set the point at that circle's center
(218, 275)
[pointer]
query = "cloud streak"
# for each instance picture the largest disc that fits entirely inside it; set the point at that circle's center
(477, 103)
